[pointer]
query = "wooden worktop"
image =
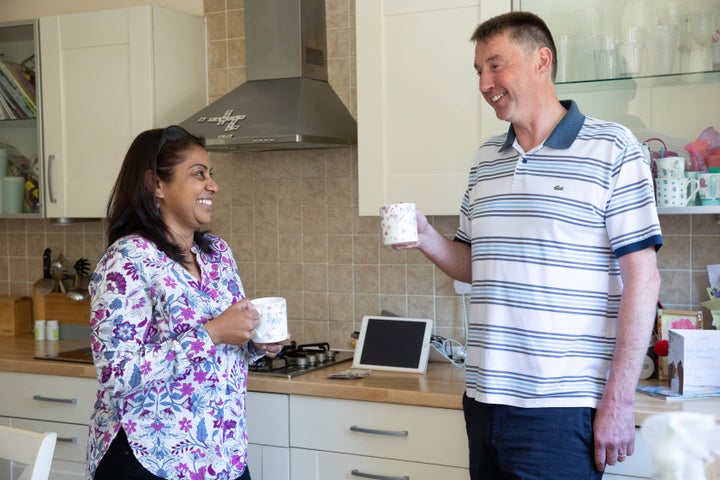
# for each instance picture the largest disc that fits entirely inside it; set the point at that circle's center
(441, 387)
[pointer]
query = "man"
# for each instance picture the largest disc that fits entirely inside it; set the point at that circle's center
(558, 236)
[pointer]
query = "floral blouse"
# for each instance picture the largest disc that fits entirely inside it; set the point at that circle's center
(179, 397)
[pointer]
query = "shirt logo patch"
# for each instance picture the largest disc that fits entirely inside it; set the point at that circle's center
(559, 188)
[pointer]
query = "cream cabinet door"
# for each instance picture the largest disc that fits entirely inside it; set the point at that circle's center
(420, 113)
(106, 76)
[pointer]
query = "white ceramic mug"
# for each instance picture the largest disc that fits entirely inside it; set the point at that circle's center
(273, 326)
(670, 166)
(675, 191)
(398, 223)
(709, 184)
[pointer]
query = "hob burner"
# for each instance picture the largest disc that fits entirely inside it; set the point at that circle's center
(294, 360)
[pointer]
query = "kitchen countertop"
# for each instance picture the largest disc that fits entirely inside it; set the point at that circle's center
(442, 386)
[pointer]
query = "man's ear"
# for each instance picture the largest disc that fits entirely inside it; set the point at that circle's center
(544, 59)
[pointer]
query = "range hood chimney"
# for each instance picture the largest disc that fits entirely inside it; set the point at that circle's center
(286, 103)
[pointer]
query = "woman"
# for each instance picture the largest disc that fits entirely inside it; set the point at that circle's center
(171, 328)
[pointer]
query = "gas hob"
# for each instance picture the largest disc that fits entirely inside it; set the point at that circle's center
(294, 360)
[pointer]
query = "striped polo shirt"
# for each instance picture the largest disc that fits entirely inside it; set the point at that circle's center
(546, 228)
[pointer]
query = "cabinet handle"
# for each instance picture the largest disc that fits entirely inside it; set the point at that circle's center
(67, 439)
(51, 160)
(41, 398)
(357, 473)
(391, 433)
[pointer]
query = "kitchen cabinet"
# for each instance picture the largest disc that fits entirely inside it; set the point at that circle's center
(18, 42)
(268, 425)
(420, 119)
(655, 89)
(107, 76)
(332, 438)
(51, 403)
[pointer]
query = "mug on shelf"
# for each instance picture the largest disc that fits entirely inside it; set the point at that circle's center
(709, 188)
(670, 166)
(675, 191)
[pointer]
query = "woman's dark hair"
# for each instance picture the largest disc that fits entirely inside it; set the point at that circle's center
(133, 207)
(525, 28)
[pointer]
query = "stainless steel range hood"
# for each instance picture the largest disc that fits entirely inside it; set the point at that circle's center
(286, 103)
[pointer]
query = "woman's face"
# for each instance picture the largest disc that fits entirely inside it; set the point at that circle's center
(186, 200)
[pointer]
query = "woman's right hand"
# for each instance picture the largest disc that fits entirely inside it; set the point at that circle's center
(236, 325)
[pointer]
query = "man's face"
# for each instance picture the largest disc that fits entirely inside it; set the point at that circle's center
(508, 77)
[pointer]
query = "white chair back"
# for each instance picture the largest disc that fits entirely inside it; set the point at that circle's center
(31, 448)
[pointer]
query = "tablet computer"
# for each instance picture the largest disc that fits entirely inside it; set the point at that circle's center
(393, 343)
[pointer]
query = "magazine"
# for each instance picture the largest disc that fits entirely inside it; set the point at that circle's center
(669, 395)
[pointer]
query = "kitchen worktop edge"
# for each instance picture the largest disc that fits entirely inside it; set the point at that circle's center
(441, 387)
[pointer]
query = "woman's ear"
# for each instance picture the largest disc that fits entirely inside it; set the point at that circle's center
(153, 185)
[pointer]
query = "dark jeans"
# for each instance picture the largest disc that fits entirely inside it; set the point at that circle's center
(119, 463)
(529, 443)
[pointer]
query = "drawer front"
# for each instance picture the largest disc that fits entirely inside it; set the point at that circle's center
(47, 397)
(421, 434)
(313, 465)
(71, 439)
(267, 419)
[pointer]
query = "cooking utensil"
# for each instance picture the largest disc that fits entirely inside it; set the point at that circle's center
(46, 284)
(80, 292)
(60, 270)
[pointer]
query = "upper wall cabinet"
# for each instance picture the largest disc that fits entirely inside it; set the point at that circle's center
(106, 76)
(19, 129)
(651, 66)
(420, 114)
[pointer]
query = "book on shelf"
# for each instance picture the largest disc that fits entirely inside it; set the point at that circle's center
(17, 89)
(669, 395)
(10, 102)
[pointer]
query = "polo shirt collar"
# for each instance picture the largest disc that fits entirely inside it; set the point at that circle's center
(564, 133)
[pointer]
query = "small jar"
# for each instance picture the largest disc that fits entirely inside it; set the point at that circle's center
(39, 330)
(52, 330)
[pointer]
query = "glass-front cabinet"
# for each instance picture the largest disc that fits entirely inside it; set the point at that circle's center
(19, 121)
(651, 65)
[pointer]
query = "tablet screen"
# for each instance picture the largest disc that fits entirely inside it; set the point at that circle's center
(393, 343)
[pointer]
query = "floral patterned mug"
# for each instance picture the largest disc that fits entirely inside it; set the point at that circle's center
(398, 224)
(273, 325)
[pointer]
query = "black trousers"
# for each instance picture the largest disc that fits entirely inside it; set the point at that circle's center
(119, 463)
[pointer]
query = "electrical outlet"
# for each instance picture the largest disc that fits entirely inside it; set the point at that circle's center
(462, 288)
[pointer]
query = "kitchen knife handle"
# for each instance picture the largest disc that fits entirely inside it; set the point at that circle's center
(51, 160)
(373, 431)
(42, 398)
(357, 473)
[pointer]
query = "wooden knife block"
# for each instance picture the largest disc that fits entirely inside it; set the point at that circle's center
(15, 315)
(56, 306)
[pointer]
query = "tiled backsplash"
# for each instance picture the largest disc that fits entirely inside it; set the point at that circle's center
(291, 219)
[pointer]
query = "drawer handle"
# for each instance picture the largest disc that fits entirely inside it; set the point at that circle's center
(67, 439)
(41, 398)
(357, 473)
(391, 433)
